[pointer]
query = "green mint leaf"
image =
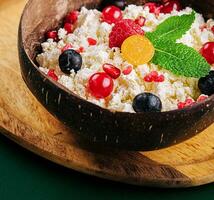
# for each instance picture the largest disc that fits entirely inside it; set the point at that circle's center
(180, 59)
(172, 28)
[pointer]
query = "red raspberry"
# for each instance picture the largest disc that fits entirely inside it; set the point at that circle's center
(140, 21)
(122, 30)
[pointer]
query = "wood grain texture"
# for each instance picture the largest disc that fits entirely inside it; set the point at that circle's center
(24, 120)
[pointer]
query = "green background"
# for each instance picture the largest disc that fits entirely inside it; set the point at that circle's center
(24, 175)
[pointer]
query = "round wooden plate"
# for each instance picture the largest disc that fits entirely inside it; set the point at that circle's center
(24, 120)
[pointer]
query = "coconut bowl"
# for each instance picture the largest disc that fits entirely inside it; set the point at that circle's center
(92, 124)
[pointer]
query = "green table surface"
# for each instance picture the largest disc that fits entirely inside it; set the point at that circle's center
(24, 175)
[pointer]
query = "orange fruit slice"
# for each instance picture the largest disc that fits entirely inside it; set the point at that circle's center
(137, 50)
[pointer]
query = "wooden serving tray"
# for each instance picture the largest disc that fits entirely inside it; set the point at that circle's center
(25, 121)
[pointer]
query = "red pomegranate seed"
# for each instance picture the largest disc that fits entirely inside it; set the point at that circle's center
(127, 71)
(66, 47)
(80, 50)
(202, 98)
(148, 78)
(160, 78)
(154, 8)
(72, 17)
(100, 85)
(92, 41)
(69, 27)
(140, 21)
(52, 35)
(169, 6)
(189, 102)
(207, 51)
(51, 73)
(111, 70)
(111, 14)
(181, 105)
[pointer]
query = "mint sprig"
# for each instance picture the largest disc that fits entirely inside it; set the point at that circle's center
(172, 28)
(176, 57)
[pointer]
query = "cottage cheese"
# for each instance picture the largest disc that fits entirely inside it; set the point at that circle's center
(126, 87)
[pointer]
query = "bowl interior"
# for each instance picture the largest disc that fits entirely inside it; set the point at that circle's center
(39, 17)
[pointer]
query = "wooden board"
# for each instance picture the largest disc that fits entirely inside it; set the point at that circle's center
(24, 120)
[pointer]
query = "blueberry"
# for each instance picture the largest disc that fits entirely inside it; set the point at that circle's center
(119, 3)
(69, 60)
(206, 84)
(147, 102)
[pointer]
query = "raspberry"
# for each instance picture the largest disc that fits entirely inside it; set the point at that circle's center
(122, 30)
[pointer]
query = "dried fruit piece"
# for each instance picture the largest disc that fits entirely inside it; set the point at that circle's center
(122, 30)
(137, 50)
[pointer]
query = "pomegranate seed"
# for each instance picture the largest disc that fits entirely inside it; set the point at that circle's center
(140, 21)
(189, 102)
(111, 14)
(181, 105)
(207, 51)
(100, 85)
(127, 71)
(160, 78)
(72, 17)
(169, 6)
(51, 73)
(111, 70)
(148, 78)
(52, 35)
(154, 8)
(92, 41)
(154, 74)
(69, 27)
(202, 98)
(80, 50)
(66, 47)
